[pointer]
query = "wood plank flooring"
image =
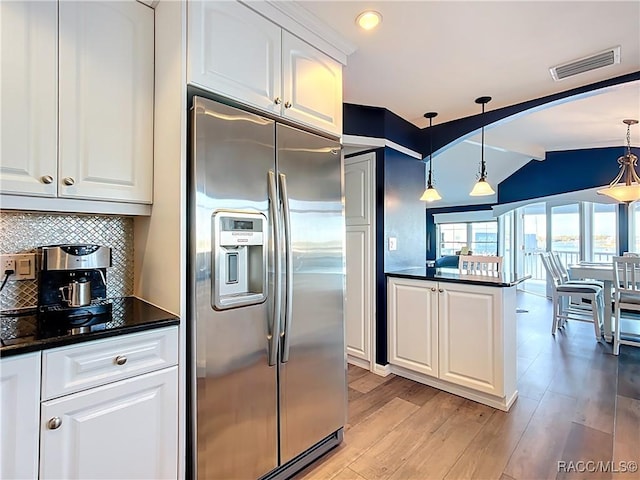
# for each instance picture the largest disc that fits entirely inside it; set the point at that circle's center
(577, 404)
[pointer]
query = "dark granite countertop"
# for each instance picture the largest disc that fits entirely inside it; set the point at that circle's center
(22, 332)
(504, 279)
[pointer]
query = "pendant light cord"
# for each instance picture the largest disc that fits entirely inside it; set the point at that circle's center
(483, 166)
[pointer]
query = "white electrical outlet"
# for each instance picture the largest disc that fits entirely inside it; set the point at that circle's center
(393, 243)
(22, 264)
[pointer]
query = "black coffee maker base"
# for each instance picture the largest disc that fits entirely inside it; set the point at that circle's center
(77, 316)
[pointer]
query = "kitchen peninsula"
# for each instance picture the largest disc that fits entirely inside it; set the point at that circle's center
(455, 332)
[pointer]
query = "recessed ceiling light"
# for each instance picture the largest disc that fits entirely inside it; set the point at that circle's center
(369, 19)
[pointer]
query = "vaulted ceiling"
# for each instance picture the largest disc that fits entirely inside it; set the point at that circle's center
(441, 55)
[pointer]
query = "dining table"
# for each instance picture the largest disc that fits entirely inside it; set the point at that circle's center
(604, 273)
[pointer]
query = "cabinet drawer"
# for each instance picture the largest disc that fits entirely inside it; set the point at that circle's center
(71, 369)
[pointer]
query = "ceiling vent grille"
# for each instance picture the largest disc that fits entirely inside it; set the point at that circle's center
(606, 58)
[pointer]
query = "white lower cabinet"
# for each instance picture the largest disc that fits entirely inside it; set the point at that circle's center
(123, 430)
(457, 337)
(413, 325)
(19, 415)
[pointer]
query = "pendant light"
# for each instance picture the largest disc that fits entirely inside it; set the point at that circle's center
(628, 189)
(482, 187)
(430, 194)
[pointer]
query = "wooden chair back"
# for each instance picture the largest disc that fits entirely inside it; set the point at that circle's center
(480, 265)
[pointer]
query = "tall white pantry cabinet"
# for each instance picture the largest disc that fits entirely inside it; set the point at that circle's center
(359, 179)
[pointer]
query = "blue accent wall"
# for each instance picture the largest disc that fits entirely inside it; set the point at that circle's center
(623, 228)
(562, 172)
(379, 122)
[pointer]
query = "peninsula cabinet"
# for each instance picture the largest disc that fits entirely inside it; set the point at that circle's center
(236, 52)
(77, 100)
(19, 415)
(454, 336)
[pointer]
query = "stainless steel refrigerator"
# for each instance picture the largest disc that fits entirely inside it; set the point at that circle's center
(266, 282)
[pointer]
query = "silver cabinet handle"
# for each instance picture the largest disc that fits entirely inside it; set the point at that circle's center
(46, 179)
(277, 100)
(274, 333)
(440, 290)
(433, 289)
(288, 262)
(121, 360)
(68, 181)
(288, 104)
(54, 423)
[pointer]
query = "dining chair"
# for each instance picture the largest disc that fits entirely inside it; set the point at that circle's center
(489, 265)
(564, 273)
(564, 309)
(626, 285)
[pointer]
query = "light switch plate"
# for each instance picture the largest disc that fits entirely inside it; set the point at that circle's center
(393, 244)
(24, 265)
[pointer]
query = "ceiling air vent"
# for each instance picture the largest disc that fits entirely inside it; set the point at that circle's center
(605, 58)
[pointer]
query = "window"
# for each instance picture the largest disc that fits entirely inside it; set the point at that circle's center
(565, 232)
(479, 237)
(604, 239)
(453, 236)
(484, 238)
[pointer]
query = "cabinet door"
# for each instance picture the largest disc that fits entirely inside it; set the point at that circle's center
(358, 202)
(106, 101)
(19, 413)
(28, 97)
(126, 429)
(234, 51)
(358, 314)
(312, 85)
(471, 337)
(413, 325)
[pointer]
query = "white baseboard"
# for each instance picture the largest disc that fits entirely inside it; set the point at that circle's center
(500, 403)
(382, 370)
(358, 362)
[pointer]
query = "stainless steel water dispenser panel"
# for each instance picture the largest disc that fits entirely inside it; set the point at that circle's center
(239, 259)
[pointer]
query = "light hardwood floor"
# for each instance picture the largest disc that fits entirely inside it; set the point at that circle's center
(577, 403)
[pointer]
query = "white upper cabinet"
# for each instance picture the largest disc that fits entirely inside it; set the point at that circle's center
(235, 52)
(238, 53)
(77, 83)
(28, 97)
(106, 101)
(312, 85)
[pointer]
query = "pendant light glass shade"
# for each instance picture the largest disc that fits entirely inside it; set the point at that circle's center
(626, 186)
(482, 187)
(430, 194)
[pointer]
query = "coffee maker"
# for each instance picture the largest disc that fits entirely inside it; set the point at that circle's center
(72, 284)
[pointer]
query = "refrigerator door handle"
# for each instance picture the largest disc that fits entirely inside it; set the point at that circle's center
(274, 333)
(288, 302)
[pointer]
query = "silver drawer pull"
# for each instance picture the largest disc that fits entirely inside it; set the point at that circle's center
(440, 290)
(46, 179)
(433, 289)
(121, 360)
(69, 181)
(288, 104)
(277, 101)
(54, 423)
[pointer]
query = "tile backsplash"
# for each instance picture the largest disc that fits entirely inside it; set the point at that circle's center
(24, 232)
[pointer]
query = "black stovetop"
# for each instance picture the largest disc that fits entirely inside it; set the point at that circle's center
(24, 331)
